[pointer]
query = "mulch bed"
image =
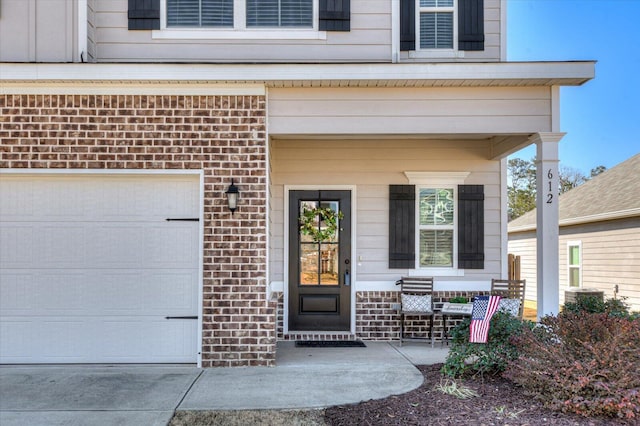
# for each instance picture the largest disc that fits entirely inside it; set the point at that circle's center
(500, 403)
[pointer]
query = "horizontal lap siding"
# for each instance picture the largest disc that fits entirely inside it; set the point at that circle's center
(410, 111)
(524, 245)
(371, 166)
(368, 41)
(610, 256)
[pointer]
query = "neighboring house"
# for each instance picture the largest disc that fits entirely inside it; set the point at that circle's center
(599, 236)
(124, 124)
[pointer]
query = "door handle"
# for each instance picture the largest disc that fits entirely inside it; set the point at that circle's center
(347, 278)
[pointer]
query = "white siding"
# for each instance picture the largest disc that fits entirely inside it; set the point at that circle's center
(610, 256)
(524, 245)
(91, 31)
(368, 41)
(37, 31)
(372, 165)
(471, 110)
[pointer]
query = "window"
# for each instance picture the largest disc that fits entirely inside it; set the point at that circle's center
(574, 264)
(200, 13)
(280, 13)
(436, 219)
(436, 24)
(254, 13)
(436, 222)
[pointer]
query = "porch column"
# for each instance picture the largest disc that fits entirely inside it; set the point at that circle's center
(547, 229)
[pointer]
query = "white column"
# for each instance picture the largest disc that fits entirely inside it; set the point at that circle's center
(547, 229)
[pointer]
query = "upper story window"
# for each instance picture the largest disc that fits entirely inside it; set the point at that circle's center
(436, 24)
(253, 13)
(200, 13)
(280, 13)
(441, 28)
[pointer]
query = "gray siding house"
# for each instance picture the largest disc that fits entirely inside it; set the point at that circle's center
(599, 236)
(124, 124)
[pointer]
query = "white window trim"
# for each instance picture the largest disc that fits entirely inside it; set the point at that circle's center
(570, 266)
(239, 30)
(437, 180)
(437, 53)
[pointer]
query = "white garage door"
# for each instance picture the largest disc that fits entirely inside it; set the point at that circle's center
(90, 268)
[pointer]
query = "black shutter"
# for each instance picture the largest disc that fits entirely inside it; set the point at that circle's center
(144, 14)
(407, 24)
(471, 226)
(402, 236)
(335, 15)
(470, 25)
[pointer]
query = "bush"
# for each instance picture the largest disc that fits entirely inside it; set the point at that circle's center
(592, 304)
(483, 358)
(459, 299)
(582, 362)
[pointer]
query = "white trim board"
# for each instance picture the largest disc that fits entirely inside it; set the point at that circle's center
(438, 285)
(408, 74)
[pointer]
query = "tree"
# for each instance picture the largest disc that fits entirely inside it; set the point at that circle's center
(569, 178)
(521, 187)
(597, 170)
(521, 190)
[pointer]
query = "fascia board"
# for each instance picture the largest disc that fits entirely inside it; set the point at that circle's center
(489, 74)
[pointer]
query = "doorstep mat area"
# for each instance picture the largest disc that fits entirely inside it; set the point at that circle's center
(330, 344)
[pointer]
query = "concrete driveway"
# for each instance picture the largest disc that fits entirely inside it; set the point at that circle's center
(90, 395)
(149, 395)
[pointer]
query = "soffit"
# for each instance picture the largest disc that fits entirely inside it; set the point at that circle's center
(497, 74)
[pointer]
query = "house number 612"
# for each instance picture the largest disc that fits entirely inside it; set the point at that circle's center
(550, 195)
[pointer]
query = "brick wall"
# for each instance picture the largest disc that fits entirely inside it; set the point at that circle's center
(224, 136)
(376, 318)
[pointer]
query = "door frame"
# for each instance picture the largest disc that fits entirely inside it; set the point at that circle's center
(354, 271)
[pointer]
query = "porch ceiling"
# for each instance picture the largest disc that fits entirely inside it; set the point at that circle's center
(499, 146)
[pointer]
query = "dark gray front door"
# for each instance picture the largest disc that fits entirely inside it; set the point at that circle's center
(320, 271)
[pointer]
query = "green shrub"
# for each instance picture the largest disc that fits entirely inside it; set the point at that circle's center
(581, 362)
(459, 299)
(466, 358)
(595, 305)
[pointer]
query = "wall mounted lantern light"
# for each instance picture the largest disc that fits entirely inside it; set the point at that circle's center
(232, 197)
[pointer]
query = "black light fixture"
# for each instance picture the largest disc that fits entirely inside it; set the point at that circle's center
(232, 197)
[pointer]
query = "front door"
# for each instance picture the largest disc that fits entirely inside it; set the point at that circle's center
(319, 260)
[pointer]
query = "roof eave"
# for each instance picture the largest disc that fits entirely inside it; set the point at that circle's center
(570, 73)
(603, 217)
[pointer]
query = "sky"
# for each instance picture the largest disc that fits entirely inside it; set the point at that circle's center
(602, 117)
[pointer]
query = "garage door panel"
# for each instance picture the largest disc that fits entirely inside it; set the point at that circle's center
(16, 246)
(59, 199)
(117, 246)
(170, 294)
(167, 245)
(17, 199)
(90, 268)
(16, 292)
(127, 199)
(59, 246)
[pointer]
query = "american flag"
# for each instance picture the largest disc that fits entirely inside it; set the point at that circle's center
(483, 309)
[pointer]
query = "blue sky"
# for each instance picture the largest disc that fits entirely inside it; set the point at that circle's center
(602, 117)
